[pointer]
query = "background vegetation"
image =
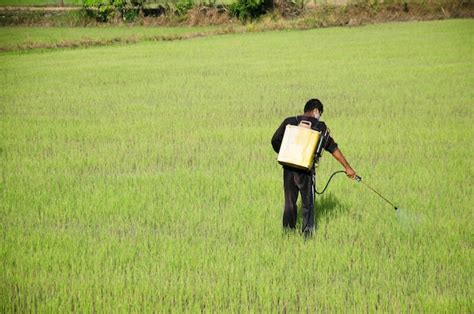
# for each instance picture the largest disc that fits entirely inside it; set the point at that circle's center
(39, 2)
(141, 177)
(152, 2)
(280, 13)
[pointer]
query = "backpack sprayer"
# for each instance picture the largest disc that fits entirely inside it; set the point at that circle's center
(302, 147)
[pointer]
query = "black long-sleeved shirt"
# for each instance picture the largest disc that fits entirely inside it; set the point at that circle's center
(319, 126)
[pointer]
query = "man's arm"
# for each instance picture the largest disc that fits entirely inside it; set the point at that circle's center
(278, 137)
(340, 157)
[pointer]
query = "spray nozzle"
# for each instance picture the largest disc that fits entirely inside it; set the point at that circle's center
(357, 178)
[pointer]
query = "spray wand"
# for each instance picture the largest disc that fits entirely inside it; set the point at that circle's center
(358, 179)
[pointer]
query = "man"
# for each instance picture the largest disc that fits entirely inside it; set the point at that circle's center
(297, 180)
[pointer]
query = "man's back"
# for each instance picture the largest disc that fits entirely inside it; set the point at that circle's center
(296, 120)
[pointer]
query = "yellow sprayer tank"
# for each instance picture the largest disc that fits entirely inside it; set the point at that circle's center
(298, 146)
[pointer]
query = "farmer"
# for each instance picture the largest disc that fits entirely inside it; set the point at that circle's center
(294, 179)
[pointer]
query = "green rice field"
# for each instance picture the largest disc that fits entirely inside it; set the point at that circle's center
(140, 178)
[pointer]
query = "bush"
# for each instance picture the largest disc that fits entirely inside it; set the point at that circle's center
(101, 10)
(106, 10)
(129, 10)
(183, 6)
(247, 9)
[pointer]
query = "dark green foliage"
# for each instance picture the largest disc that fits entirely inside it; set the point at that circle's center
(129, 10)
(248, 9)
(183, 6)
(106, 10)
(101, 10)
(129, 14)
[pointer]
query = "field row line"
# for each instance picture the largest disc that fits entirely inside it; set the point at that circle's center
(88, 42)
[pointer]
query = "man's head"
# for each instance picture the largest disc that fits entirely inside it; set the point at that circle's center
(314, 108)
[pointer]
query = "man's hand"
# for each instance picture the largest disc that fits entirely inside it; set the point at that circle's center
(340, 157)
(350, 172)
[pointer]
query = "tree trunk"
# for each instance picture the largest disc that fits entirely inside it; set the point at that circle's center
(61, 3)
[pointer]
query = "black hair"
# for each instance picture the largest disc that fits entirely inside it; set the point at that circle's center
(314, 104)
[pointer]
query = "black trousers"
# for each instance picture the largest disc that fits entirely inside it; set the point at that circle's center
(295, 181)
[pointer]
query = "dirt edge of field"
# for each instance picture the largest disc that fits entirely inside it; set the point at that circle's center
(88, 42)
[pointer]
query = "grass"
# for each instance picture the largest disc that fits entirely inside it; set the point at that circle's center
(17, 37)
(139, 178)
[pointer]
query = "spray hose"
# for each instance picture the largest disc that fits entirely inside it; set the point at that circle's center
(327, 183)
(357, 178)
